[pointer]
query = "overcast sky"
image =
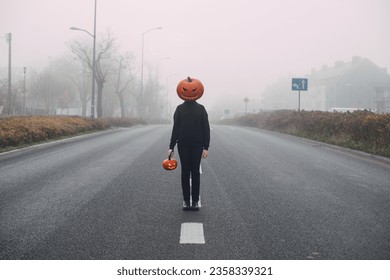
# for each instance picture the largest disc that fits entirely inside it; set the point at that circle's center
(236, 47)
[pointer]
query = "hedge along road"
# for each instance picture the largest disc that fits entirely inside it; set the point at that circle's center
(264, 196)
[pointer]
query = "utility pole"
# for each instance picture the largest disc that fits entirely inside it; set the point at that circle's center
(24, 90)
(246, 100)
(141, 99)
(93, 60)
(9, 101)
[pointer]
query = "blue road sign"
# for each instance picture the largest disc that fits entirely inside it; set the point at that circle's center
(299, 84)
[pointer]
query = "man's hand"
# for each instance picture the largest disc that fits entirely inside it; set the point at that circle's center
(170, 153)
(205, 153)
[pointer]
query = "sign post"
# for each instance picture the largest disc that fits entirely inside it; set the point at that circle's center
(299, 84)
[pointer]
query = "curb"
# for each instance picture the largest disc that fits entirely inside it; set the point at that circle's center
(52, 143)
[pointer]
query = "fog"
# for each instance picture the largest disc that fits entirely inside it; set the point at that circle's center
(235, 47)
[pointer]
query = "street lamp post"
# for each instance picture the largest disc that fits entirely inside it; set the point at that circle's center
(157, 64)
(24, 90)
(168, 95)
(93, 59)
(9, 40)
(142, 69)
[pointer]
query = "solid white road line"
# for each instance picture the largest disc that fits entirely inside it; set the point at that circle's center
(192, 233)
(200, 169)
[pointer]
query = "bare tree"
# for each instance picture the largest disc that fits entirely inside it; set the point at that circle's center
(46, 90)
(82, 81)
(151, 102)
(3, 88)
(106, 46)
(52, 87)
(125, 62)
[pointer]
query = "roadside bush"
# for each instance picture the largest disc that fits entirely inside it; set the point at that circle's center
(17, 131)
(360, 130)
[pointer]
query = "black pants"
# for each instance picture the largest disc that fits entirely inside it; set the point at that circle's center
(190, 157)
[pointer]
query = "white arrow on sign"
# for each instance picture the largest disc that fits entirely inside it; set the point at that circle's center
(303, 83)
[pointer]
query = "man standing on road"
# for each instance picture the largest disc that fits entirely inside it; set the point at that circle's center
(191, 132)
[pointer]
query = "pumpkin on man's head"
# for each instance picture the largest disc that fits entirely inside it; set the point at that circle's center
(190, 89)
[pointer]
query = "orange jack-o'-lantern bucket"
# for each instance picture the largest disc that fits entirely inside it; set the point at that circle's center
(169, 164)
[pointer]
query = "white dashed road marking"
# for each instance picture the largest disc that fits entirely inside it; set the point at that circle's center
(192, 233)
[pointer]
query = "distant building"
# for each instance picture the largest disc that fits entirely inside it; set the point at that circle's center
(358, 84)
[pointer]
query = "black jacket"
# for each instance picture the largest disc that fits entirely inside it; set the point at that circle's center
(190, 126)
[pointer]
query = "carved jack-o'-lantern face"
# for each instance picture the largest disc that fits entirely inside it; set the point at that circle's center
(169, 164)
(190, 89)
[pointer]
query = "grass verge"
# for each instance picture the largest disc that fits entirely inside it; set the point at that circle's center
(21, 131)
(360, 130)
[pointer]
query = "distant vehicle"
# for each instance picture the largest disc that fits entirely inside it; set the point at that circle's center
(348, 110)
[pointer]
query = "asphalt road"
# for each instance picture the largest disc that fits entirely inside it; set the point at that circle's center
(264, 195)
